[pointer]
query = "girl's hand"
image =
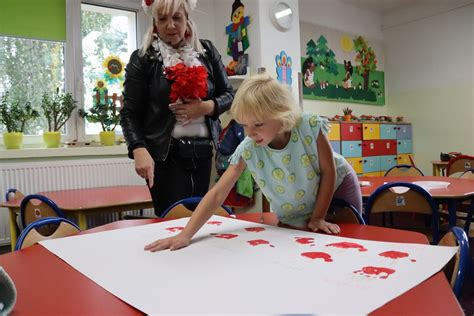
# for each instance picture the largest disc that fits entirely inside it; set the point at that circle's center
(173, 243)
(144, 164)
(320, 224)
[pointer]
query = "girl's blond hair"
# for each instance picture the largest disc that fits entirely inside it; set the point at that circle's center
(170, 7)
(261, 97)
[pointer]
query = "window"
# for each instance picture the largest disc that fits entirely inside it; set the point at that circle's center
(28, 69)
(108, 39)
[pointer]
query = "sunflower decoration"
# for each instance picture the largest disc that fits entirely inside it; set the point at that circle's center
(114, 69)
(100, 93)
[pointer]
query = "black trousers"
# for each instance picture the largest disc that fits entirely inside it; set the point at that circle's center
(179, 177)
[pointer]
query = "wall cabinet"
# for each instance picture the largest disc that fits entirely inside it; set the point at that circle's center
(372, 148)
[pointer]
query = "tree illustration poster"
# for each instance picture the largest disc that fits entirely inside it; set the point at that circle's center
(342, 67)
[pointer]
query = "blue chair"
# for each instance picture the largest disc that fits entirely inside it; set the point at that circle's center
(403, 170)
(185, 207)
(455, 269)
(31, 234)
(342, 212)
(414, 199)
(12, 194)
(30, 212)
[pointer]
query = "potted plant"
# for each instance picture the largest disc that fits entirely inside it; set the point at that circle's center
(57, 109)
(106, 113)
(14, 116)
(347, 114)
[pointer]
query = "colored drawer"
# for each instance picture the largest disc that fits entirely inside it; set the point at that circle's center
(356, 164)
(404, 131)
(334, 131)
(351, 148)
(387, 147)
(388, 131)
(404, 146)
(336, 146)
(403, 159)
(370, 131)
(387, 162)
(371, 164)
(351, 131)
(370, 148)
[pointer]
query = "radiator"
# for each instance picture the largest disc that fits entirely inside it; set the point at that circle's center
(33, 177)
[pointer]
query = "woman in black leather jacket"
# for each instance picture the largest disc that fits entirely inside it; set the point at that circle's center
(171, 143)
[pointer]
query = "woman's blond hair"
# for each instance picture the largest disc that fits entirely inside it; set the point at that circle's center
(170, 7)
(261, 97)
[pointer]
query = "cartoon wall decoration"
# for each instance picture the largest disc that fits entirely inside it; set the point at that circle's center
(341, 67)
(238, 41)
(283, 68)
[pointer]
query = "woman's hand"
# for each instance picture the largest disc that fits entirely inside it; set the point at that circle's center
(144, 165)
(173, 243)
(320, 224)
(191, 110)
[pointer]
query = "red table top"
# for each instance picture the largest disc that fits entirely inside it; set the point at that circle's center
(457, 189)
(94, 198)
(47, 285)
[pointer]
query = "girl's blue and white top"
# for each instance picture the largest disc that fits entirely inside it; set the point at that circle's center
(289, 177)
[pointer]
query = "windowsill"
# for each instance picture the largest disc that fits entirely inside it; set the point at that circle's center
(62, 152)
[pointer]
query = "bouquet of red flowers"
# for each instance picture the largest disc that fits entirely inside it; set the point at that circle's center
(188, 82)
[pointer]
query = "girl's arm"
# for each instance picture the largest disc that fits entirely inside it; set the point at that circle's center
(206, 208)
(326, 187)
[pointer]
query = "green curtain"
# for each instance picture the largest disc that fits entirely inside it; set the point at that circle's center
(35, 19)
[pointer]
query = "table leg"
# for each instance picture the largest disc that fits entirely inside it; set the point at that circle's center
(452, 212)
(13, 228)
(81, 218)
(435, 170)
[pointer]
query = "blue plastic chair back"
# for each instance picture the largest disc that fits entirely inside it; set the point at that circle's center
(25, 220)
(36, 225)
(403, 170)
(11, 192)
(464, 259)
(191, 201)
(400, 202)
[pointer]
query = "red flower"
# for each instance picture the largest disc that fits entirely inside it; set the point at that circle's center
(188, 82)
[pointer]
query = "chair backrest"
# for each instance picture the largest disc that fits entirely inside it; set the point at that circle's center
(455, 269)
(36, 206)
(404, 170)
(182, 207)
(468, 174)
(31, 234)
(13, 194)
(403, 197)
(342, 212)
(458, 165)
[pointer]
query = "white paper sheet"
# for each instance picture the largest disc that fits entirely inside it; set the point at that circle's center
(271, 271)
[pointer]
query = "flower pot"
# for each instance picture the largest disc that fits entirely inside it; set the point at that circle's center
(52, 139)
(347, 117)
(107, 138)
(13, 140)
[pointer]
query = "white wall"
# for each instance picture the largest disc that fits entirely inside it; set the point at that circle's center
(346, 18)
(430, 78)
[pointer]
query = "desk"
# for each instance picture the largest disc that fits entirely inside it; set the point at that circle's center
(439, 167)
(47, 285)
(458, 190)
(82, 202)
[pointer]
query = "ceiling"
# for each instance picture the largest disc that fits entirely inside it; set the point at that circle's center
(381, 6)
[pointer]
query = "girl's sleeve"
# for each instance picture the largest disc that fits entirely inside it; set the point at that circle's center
(235, 158)
(318, 123)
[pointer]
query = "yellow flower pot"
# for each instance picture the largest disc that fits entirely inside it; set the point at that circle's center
(52, 139)
(107, 138)
(13, 140)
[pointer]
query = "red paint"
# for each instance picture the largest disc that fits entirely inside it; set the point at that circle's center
(255, 229)
(304, 240)
(317, 255)
(375, 271)
(174, 229)
(225, 236)
(393, 254)
(348, 245)
(257, 242)
(413, 260)
(214, 223)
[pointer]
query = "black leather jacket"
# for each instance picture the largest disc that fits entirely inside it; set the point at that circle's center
(146, 118)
